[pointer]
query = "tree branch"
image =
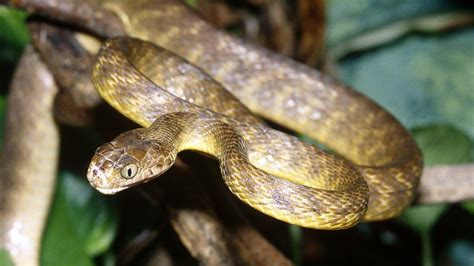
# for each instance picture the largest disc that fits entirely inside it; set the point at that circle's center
(87, 15)
(446, 184)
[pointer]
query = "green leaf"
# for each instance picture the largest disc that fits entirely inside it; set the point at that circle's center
(350, 18)
(422, 218)
(192, 3)
(421, 79)
(61, 244)
(469, 206)
(296, 243)
(5, 259)
(81, 225)
(94, 219)
(14, 36)
(444, 145)
(461, 253)
(13, 33)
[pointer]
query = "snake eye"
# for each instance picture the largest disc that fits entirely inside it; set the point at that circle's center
(129, 171)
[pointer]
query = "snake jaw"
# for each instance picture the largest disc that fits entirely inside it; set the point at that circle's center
(110, 191)
(98, 179)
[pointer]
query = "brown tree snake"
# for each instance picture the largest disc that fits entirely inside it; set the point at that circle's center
(273, 172)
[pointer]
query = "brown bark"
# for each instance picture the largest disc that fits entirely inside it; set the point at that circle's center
(446, 183)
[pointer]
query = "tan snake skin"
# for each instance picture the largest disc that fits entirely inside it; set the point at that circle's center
(269, 170)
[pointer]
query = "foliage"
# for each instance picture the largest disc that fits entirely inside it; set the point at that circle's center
(82, 220)
(425, 80)
(5, 259)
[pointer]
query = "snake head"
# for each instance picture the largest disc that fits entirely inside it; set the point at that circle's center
(126, 161)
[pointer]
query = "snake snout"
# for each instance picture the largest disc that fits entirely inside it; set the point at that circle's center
(99, 180)
(95, 176)
(99, 172)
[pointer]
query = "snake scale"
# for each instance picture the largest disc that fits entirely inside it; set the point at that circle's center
(182, 107)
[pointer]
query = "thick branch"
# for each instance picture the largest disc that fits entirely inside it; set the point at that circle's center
(87, 15)
(447, 183)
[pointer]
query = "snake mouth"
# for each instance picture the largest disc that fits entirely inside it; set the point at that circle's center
(110, 191)
(114, 190)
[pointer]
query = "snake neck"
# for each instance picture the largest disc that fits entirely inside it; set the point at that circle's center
(202, 131)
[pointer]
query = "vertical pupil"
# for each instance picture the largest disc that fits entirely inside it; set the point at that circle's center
(129, 171)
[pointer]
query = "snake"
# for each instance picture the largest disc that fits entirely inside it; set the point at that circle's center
(184, 82)
(373, 177)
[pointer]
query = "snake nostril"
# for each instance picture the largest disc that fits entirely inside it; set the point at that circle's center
(95, 173)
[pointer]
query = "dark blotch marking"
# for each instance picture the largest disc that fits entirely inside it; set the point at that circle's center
(281, 201)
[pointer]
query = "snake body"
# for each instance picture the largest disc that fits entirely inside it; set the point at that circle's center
(269, 170)
(290, 94)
